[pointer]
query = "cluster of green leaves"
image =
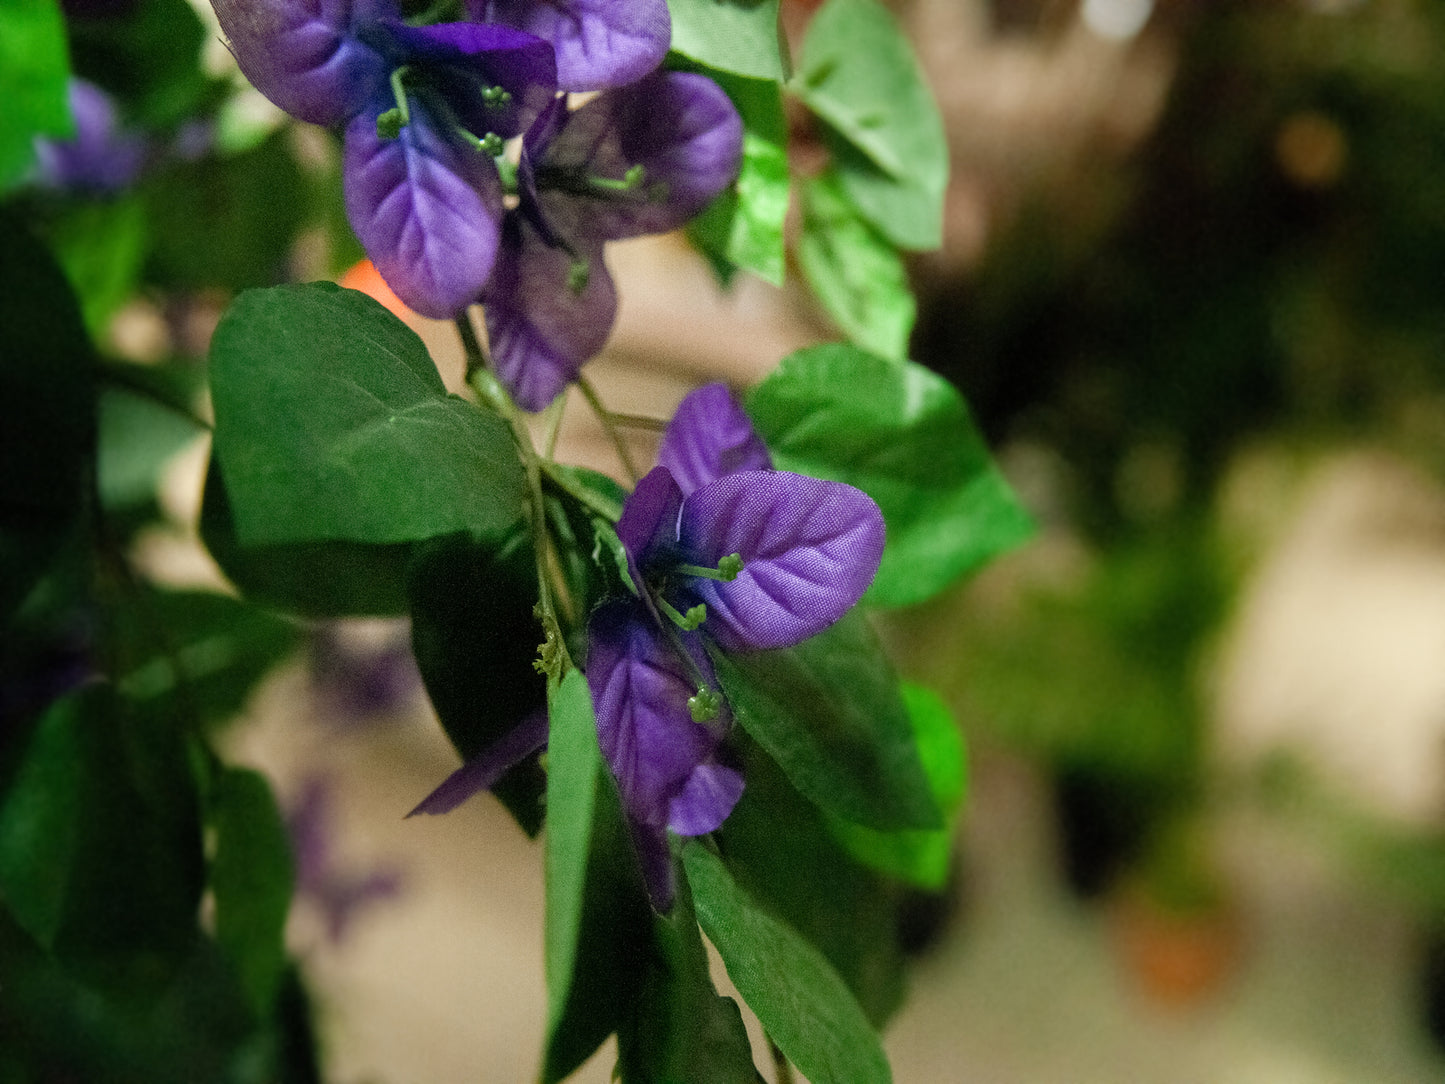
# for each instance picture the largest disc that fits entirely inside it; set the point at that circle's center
(881, 189)
(109, 790)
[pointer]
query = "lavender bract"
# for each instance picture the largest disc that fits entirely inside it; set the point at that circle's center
(424, 111)
(808, 549)
(599, 43)
(636, 160)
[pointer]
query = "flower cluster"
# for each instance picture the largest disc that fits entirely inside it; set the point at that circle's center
(427, 112)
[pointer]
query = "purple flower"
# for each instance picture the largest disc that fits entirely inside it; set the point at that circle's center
(102, 156)
(424, 111)
(599, 43)
(635, 160)
(741, 559)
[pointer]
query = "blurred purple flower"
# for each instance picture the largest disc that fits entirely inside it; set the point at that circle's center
(741, 559)
(102, 157)
(357, 680)
(339, 895)
(635, 160)
(599, 43)
(424, 112)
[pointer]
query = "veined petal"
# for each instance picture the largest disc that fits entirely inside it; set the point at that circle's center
(679, 127)
(461, 58)
(706, 799)
(483, 770)
(710, 436)
(648, 526)
(543, 324)
(426, 208)
(306, 55)
(810, 548)
(640, 688)
(599, 43)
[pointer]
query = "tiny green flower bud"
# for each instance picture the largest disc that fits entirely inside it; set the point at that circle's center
(389, 124)
(705, 706)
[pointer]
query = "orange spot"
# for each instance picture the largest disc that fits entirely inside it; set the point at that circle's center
(365, 277)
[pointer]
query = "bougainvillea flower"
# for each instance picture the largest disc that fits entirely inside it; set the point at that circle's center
(101, 157)
(599, 43)
(710, 436)
(424, 112)
(635, 160)
(747, 560)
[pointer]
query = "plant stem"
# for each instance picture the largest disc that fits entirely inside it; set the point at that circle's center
(532, 464)
(609, 425)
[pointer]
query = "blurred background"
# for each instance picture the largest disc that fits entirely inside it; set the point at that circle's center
(1189, 287)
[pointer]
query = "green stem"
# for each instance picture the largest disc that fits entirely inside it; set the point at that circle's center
(533, 466)
(608, 420)
(608, 510)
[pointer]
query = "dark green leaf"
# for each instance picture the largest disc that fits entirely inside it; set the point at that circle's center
(34, 69)
(857, 275)
(923, 858)
(806, 878)
(598, 921)
(830, 713)
(102, 246)
(252, 880)
(100, 838)
(195, 654)
(743, 228)
(874, 98)
(475, 638)
(683, 1030)
(313, 579)
(150, 57)
(803, 1005)
(332, 424)
(738, 36)
(226, 221)
(904, 436)
(47, 387)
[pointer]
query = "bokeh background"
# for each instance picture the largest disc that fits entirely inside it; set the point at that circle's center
(1190, 285)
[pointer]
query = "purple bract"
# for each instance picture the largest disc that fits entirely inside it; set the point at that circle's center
(101, 157)
(635, 160)
(424, 111)
(599, 43)
(808, 550)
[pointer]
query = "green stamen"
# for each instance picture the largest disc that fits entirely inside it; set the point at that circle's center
(694, 617)
(578, 275)
(727, 569)
(704, 707)
(630, 180)
(390, 123)
(496, 97)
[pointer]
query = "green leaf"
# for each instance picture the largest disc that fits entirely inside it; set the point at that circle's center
(102, 246)
(803, 1005)
(312, 579)
(830, 713)
(923, 858)
(743, 227)
(138, 436)
(252, 881)
(47, 386)
(100, 841)
(904, 436)
(683, 1030)
(806, 878)
(150, 57)
(39, 823)
(738, 36)
(857, 275)
(34, 70)
(475, 638)
(332, 424)
(226, 221)
(874, 99)
(598, 920)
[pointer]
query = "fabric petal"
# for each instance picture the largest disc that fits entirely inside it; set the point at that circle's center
(679, 127)
(599, 43)
(307, 55)
(542, 329)
(426, 209)
(810, 548)
(655, 857)
(710, 436)
(706, 799)
(648, 527)
(640, 688)
(461, 58)
(483, 770)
